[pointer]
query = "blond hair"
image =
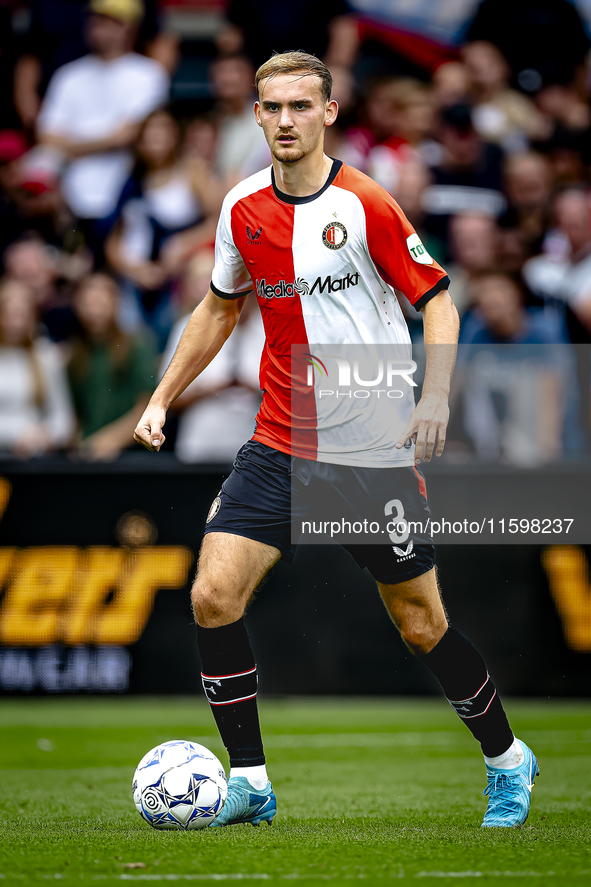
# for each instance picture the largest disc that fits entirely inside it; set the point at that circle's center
(297, 62)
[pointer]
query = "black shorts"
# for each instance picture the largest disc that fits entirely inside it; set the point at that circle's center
(268, 493)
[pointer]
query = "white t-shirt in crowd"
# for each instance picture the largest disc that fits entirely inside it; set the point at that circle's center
(566, 280)
(91, 99)
(20, 415)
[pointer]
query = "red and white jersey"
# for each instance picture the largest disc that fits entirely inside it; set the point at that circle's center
(325, 269)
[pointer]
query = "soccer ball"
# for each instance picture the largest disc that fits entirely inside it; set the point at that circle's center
(179, 785)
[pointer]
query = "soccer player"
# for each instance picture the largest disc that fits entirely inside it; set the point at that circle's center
(307, 217)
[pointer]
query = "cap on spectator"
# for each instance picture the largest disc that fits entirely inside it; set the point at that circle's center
(458, 116)
(41, 170)
(13, 145)
(130, 12)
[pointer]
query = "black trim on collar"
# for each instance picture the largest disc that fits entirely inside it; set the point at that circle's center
(228, 296)
(442, 284)
(288, 198)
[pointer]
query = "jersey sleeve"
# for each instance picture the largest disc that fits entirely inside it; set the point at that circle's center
(397, 252)
(230, 279)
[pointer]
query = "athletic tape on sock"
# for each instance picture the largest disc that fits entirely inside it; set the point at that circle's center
(230, 688)
(477, 705)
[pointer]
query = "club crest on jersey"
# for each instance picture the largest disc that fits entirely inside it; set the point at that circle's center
(252, 237)
(215, 507)
(334, 235)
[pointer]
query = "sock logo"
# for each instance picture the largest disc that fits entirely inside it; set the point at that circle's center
(210, 688)
(476, 705)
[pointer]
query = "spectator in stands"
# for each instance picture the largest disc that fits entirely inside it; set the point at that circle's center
(396, 162)
(514, 398)
(467, 178)
(36, 415)
(563, 269)
(473, 244)
(50, 275)
(573, 215)
(568, 141)
(13, 146)
(500, 316)
(200, 137)
(93, 110)
(167, 210)
(54, 36)
(29, 261)
(218, 409)
(241, 149)
(450, 85)
(377, 120)
(500, 114)
(111, 374)
(528, 180)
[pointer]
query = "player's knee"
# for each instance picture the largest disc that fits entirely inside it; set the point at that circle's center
(211, 606)
(421, 636)
(207, 607)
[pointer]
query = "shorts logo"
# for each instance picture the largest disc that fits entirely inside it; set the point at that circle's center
(417, 250)
(253, 237)
(215, 507)
(405, 554)
(334, 235)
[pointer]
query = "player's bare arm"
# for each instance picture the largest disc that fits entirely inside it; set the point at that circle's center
(208, 328)
(428, 421)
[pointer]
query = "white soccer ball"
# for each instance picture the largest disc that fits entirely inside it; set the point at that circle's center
(179, 785)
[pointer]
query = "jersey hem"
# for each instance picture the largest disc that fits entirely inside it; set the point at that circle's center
(402, 463)
(228, 296)
(442, 284)
(407, 462)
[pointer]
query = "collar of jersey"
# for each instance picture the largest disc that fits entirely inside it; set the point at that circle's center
(289, 198)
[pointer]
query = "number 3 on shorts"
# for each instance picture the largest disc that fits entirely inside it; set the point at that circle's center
(397, 522)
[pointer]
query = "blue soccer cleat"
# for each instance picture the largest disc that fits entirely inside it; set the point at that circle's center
(509, 792)
(246, 804)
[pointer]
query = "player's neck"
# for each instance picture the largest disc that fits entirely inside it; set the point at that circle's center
(305, 177)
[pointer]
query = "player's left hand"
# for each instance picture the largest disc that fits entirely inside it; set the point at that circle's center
(427, 425)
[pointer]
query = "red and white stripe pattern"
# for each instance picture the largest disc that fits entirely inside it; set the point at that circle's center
(325, 269)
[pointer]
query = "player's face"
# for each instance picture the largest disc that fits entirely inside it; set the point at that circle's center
(293, 113)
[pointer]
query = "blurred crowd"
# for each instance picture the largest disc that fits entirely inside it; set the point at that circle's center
(110, 193)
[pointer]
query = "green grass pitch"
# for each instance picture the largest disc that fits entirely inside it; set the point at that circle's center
(378, 791)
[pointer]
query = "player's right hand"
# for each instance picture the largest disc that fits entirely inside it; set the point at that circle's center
(148, 430)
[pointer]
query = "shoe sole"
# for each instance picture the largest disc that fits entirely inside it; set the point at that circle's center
(256, 820)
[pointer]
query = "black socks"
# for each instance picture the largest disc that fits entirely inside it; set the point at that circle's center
(230, 682)
(461, 671)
